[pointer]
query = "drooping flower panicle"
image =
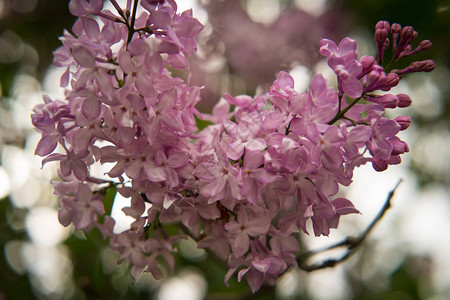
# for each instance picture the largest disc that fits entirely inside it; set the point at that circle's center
(242, 187)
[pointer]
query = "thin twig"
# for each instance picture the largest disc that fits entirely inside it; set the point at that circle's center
(351, 243)
(131, 29)
(341, 113)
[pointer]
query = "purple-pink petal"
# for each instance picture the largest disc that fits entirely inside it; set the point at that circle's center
(91, 108)
(46, 145)
(240, 244)
(83, 56)
(352, 86)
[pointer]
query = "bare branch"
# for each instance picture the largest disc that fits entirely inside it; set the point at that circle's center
(351, 243)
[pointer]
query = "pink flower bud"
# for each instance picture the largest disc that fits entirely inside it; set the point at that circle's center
(403, 100)
(424, 65)
(403, 121)
(394, 160)
(396, 28)
(407, 33)
(398, 146)
(392, 80)
(382, 25)
(381, 34)
(379, 164)
(406, 37)
(367, 62)
(407, 49)
(425, 45)
(387, 101)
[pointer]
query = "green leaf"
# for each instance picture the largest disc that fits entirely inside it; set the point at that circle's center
(96, 238)
(171, 229)
(108, 199)
(201, 124)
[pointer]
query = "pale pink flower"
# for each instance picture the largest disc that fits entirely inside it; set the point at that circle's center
(343, 59)
(250, 222)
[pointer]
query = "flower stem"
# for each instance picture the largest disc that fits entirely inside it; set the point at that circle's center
(341, 113)
(351, 243)
(118, 8)
(133, 19)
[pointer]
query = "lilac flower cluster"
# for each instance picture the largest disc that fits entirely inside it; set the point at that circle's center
(244, 186)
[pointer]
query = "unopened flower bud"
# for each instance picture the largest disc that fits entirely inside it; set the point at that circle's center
(398, 146)
(396, 28)
(387, 101)
(394, 160)
(367, 62)
(382, 25)
(381, 34)
(407, 33)
(403, 121)
(406, 37)
(407, 52)
(392, 80)
(379, 164)
(425, 45)
(403, 100)
(424, 65)
(407, 48)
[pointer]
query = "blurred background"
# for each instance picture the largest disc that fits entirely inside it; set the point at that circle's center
(244, 45)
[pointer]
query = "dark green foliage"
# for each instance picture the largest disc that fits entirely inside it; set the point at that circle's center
(10, 281)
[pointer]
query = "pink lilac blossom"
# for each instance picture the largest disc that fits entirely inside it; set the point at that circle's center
(243, 187)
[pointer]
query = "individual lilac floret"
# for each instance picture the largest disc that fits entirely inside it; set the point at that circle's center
(83, 7)
(343, 59)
